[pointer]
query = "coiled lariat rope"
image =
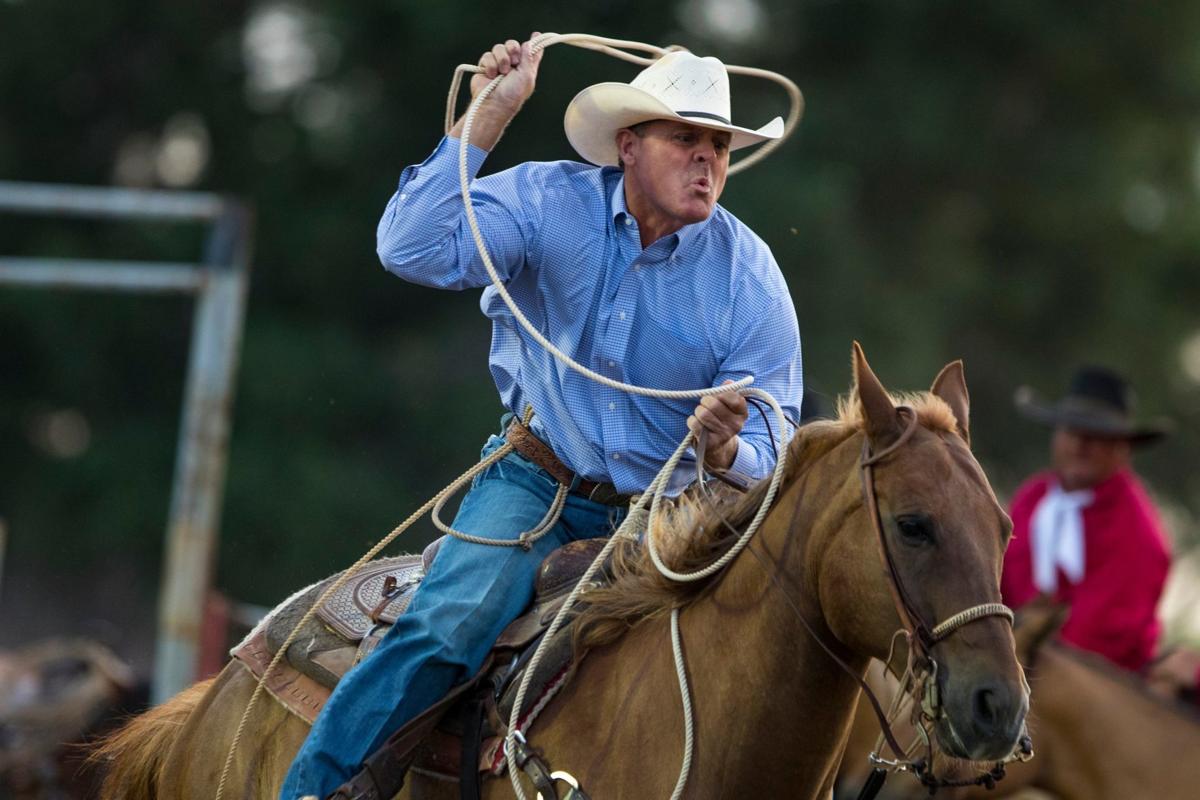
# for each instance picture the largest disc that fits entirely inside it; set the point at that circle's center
(638, 517)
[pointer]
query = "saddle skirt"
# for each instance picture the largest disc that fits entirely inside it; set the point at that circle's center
(349, 623)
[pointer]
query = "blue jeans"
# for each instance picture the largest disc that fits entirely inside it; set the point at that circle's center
(472, 592)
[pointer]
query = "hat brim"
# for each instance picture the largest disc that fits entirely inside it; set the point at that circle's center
(1036, 409)
(596, 114)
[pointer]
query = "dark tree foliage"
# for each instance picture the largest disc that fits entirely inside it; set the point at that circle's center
(1013, 184)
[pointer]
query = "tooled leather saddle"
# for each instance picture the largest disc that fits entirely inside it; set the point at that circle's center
(461, 737)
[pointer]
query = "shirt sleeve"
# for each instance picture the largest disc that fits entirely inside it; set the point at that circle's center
(767, 346)
(424, 236)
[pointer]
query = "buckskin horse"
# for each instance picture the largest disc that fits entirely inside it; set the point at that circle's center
(772, 709)
(1101, 733)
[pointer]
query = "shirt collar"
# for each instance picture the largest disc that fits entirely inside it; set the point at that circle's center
(683, 236)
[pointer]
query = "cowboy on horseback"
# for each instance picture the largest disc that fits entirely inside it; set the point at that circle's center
(1086, 531)
(632, 268)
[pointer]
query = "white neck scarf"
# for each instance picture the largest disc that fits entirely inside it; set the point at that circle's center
(1057, 531)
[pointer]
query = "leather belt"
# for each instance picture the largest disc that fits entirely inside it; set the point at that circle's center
(534, 449)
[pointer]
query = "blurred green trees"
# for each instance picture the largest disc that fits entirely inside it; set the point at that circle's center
(1014, 184)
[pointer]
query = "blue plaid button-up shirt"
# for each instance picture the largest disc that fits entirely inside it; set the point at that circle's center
(694, 309)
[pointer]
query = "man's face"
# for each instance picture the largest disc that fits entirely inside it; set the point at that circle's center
(1083, 460)
(677, 168)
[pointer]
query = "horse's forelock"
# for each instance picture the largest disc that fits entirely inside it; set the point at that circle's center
(933, 412)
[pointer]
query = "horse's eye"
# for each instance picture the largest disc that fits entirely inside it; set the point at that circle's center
(915, 529)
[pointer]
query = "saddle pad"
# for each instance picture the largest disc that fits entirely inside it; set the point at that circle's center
(348, 611)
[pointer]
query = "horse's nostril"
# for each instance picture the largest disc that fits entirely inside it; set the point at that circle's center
(986, 711)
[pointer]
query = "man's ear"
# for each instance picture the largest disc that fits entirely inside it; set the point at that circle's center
(626, 146)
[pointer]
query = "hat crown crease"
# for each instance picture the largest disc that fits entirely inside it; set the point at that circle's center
(696, 87)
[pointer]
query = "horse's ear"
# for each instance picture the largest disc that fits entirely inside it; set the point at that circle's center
(951, 386)
(881, 421)
(1038, 621)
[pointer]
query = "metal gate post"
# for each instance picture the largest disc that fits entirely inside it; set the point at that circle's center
(219, 284)
(202, 453)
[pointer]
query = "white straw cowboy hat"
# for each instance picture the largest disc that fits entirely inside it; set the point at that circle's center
(678, 86)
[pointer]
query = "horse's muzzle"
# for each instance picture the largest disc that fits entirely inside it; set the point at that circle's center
(985, 722)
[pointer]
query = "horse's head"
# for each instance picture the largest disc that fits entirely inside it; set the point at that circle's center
(945, 534)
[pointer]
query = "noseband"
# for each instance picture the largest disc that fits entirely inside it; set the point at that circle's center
(922, 669)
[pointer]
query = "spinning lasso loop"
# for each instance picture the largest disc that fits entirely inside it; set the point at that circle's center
(637, 517)
(618, 49)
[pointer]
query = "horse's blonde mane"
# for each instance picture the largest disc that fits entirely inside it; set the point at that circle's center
(694, 532)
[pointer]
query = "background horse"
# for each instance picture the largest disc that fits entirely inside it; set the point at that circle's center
(772, 710)
(1100, 733)
(53, 695)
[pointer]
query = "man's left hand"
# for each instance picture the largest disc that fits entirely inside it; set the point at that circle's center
(723, 416)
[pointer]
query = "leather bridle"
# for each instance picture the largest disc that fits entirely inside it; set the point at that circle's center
(922, 668)
(921, 673)
(920, 677)
(922, 636)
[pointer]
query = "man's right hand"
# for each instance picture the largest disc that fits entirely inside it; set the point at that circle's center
(521, 65)
(509, 58)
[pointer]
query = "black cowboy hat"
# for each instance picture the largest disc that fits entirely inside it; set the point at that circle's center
(1098, 401)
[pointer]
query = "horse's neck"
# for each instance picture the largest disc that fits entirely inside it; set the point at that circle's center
(783, 706)
(771, 709)
(1101, 732)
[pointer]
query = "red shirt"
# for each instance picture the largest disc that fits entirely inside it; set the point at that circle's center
(1126, 559)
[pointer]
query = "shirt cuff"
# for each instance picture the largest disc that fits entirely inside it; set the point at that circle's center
(450, 146)
(443, 162)
(745, 463)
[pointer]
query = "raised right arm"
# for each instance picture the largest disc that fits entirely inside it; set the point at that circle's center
(423, 235)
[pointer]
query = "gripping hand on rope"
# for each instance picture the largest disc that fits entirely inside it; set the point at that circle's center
(723, 416)
(519, 62)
